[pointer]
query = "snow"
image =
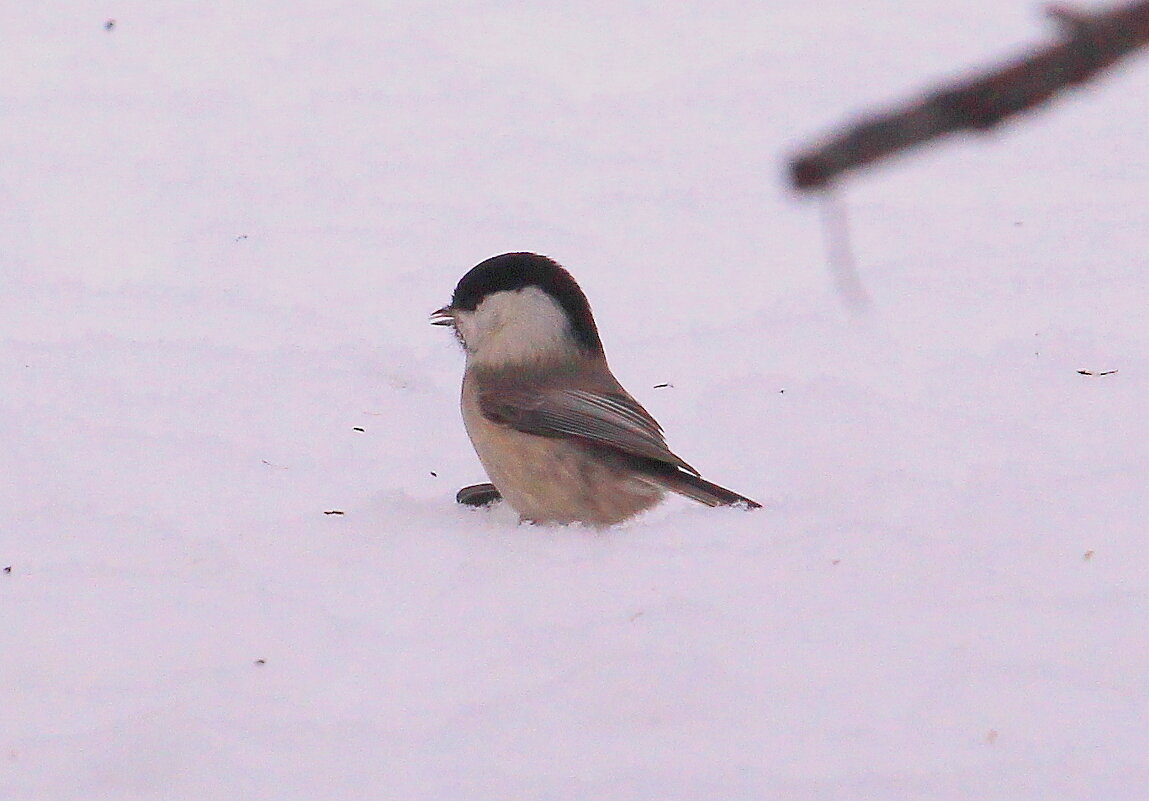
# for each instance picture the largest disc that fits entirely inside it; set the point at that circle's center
(224, 227)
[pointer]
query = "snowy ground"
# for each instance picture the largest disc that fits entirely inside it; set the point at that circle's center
(223, 228)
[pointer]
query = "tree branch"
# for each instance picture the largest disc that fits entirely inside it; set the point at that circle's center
(1090, 43)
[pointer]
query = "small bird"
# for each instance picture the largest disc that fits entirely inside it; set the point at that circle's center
(560, 439)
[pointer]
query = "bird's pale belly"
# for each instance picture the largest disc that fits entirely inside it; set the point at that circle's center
(551, 480)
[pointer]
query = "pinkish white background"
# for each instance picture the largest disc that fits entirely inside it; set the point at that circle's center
(222, 227)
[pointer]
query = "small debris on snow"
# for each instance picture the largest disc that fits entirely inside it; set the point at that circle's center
(1090, 372)
(359, 428)
(1088, 555)
(110, 25)
(260, 662)
(334, 512)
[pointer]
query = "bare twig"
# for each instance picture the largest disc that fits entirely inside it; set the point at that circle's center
(840, 255)
(1090, 43)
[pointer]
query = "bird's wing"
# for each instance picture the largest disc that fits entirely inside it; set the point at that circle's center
(611, 419)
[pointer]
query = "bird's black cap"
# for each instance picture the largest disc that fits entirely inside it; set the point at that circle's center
(513, 271)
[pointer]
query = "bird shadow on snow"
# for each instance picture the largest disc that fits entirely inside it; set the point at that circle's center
(672, 521)
(396, 511)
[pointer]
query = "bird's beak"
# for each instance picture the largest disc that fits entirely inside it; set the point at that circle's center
(443, 316)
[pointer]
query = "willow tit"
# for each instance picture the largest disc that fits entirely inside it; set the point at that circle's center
(559, 437)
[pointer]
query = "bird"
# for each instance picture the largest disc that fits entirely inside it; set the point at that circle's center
(560, 439)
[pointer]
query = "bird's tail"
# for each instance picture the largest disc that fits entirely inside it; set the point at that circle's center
(699, 489)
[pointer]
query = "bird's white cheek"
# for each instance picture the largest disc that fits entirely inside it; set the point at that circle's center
(522, 326)
(469, 331)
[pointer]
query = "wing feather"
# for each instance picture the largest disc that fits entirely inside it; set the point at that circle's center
(611, 419)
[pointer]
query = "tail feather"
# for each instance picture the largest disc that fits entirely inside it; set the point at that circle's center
(699, 489)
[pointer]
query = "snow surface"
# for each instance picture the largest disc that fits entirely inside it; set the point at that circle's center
(224, 225)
